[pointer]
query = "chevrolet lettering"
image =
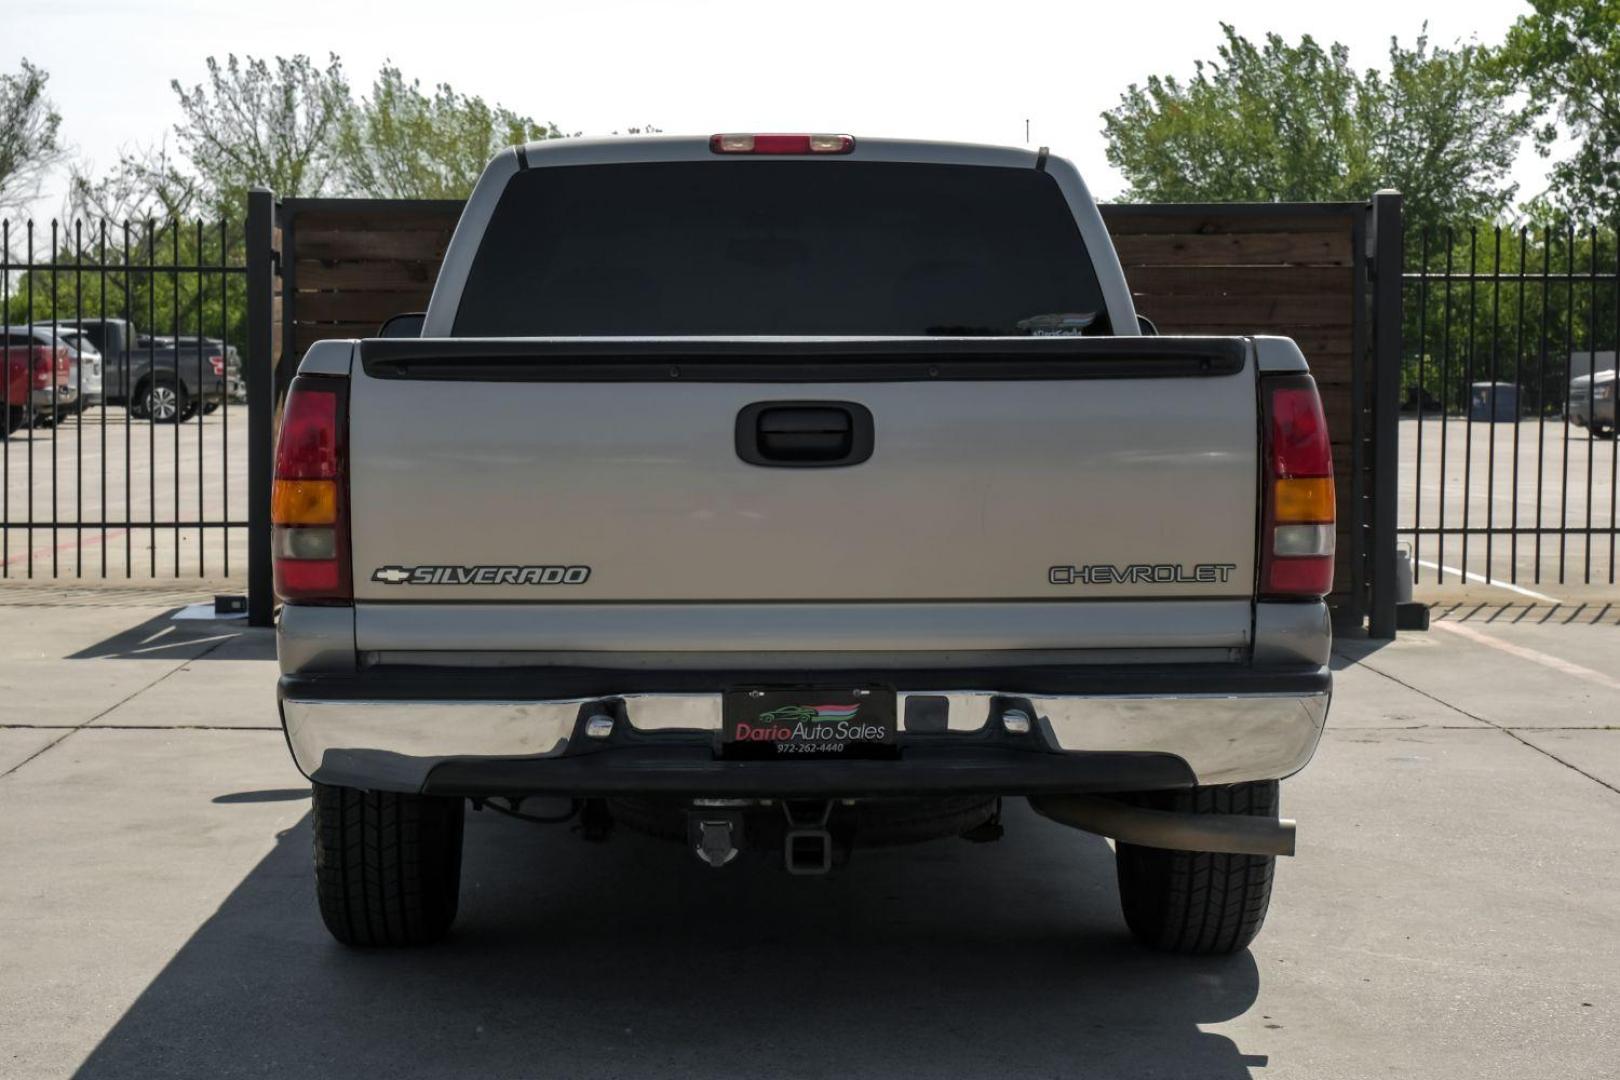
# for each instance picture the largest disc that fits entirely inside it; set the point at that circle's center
(1142, 574)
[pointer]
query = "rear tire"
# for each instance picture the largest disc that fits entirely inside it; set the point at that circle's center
(1198, 903)
(387, 866)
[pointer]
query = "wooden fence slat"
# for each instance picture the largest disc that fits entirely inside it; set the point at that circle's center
(1237, 249)
(1182, 220)
(374, 276)
(358, 306)
(1241, 281)
(348, 221)
(1247, 314)
(340, 244)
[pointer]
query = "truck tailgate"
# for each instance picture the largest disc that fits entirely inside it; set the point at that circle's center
(1000, 470)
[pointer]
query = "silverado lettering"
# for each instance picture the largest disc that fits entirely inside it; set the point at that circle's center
(481, 575)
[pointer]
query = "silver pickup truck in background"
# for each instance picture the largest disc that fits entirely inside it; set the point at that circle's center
(787, 494)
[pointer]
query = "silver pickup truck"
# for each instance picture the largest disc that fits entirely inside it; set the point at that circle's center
(787, 494)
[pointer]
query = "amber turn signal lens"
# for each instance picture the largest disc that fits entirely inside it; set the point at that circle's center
(303, 502)
(1309, 499)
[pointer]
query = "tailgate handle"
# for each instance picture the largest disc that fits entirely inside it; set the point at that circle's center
(804, 434)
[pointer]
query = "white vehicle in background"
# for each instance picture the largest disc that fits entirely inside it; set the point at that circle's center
(87, 367)
(1591, 403)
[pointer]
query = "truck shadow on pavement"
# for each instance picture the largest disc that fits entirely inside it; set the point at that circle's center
(162, 637)
(632, 959)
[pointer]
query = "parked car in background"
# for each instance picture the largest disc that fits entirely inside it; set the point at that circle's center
(38, 383)
(155, 377)
(1591, 403)
(190, 348)
(87, 366)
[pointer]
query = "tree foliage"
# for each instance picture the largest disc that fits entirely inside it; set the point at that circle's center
(29, 124)
(147, 182)
(402, 143)
(1277, 121)
(1566, 55)
(274, 123)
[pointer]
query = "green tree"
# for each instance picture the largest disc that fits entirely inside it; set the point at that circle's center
(1279, 121)
(257, 122)
(402, 143)
(1566, 55)
(146, 183)
(28, 135)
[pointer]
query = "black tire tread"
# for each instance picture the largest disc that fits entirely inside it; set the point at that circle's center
(387, 866)
(1199, 903)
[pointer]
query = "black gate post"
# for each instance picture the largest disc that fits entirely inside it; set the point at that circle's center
(1386, 266)
(261, 401)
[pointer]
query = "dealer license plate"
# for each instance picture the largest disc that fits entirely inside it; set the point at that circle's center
(814, 722)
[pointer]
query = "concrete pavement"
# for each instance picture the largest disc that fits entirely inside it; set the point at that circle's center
(1451, 912)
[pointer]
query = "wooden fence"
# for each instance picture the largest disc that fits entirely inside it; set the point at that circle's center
(1298, 270)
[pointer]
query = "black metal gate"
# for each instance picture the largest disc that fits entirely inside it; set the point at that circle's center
(1508, 456)
(125, 453)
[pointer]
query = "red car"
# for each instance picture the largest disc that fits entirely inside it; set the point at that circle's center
(39, 380)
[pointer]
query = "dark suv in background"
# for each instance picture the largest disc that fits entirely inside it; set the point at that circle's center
(163, 379)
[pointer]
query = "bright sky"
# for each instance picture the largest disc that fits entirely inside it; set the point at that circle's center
(969, 71)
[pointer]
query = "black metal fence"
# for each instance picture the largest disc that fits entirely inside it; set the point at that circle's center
(1509, 464)
(125, 449)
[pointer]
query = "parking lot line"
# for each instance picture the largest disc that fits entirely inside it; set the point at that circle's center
(1481, 578)
(1558, 664)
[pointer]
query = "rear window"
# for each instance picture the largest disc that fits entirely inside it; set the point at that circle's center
(755, 247)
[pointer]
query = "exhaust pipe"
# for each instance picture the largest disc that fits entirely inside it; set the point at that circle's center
(1231, 834)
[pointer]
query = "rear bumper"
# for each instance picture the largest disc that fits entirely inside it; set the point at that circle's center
(63, 397)
(502, 732)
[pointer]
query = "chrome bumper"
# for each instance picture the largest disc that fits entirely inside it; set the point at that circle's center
(50, 399)
(393, 745)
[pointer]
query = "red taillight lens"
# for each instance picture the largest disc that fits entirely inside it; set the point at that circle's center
(1297, 537)
(745, 143)
(218, 364)
(40, 360)
(309, 495)
(1299, 438)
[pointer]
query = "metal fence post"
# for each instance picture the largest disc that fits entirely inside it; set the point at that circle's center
(261, 401)
(1387, 256)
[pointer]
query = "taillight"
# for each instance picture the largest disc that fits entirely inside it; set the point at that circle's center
(39, 364)
(309, 496)
(1297, 537)
(218, 364)
(744, 143)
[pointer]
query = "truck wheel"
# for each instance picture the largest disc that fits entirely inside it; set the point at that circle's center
(1198, 903)
(164, 401)
(387, 866)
